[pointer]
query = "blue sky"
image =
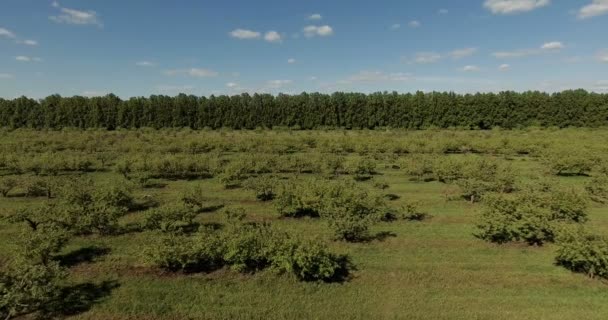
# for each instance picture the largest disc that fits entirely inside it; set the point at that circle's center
(143, 47)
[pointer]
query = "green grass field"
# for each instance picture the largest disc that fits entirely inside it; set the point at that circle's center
(432, 269)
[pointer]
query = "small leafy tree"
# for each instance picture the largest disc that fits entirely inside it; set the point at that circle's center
(264, 187)
(7, 184)
(580, 251)
(170, 218)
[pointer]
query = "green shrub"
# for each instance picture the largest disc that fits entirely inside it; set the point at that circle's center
(310, 261)
(249, 247)
(570, 165)
(7, 184)
(26, 287)
(597, 188)
(264, 187)
(582, 252)
(202, 252)
(233, 175)
(41, 245)
(295, 200)
(411, 212)
(170, 218)
(362, 168)
(195, 197)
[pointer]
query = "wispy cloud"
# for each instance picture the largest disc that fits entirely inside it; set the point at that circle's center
(595, 8)
(426, 57)
(6, 76)
(173, 89)
(443, 11)
(273, 36)
(291, 60)
(145, 64)
(193, 72)
(321, 31)
(28, 59)
(514, 6)
(470, 68)
(316, 16)
(5, 33)
(75, 17)
(462, 53)
(602, 56)
(278, 84)
(28, 42)
(414, 24)
(396, 26)
(504, 67)
(245, 34)
(548, 47)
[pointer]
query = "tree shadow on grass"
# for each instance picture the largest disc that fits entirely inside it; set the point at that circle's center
(82, 255)
(79, 298)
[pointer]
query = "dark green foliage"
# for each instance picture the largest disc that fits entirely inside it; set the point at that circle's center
(571, 165)
(572, 108)
(583, 252)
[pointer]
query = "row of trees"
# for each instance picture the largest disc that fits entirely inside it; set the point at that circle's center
(577, 108)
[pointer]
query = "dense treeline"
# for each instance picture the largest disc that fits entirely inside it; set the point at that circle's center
(574, 108)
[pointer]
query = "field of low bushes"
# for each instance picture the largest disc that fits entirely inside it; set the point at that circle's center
(183, 224)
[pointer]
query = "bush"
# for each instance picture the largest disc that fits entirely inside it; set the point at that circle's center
(41, 245)
(582, 252)
(202, 252)
(233, 175)
(26, 287)
(39, 187)
(362, 168)
(170, 218)
(411, 212)
(295, 200)
(570, 165)
(264, 187)
(597, 188)
(195, 197)
(311, 261)
(531, 217)
(350, 211)
(7, 184)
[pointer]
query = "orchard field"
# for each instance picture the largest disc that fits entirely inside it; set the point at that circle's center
(280, 224)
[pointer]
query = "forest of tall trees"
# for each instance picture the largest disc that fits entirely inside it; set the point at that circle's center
(573, 108)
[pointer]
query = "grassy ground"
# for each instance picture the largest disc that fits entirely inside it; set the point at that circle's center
(435, 269)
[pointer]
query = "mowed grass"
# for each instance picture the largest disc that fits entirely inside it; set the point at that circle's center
(435, 269)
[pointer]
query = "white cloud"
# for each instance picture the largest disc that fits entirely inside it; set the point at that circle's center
(193, 72)
(462, 53)
(245, 34)
(145, 64)
(555, 45)
(277, 84)
(426, 57)
(414, 24)
(504, 67)
(6, 76)
(595, 8)
(544, 48)
(272, 36)
(28, 42)
(321, 31)
(175, 89)
(232, 85)
(315, 16)
(76, 17)
(291, 60)
(443, 11)
(602, 56)
(396, 26)
(514, 6)
(5, 33)
(470, 68)
(601, 85)
(27, 59)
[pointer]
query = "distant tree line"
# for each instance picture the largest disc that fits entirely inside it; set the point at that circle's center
(573, 108)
